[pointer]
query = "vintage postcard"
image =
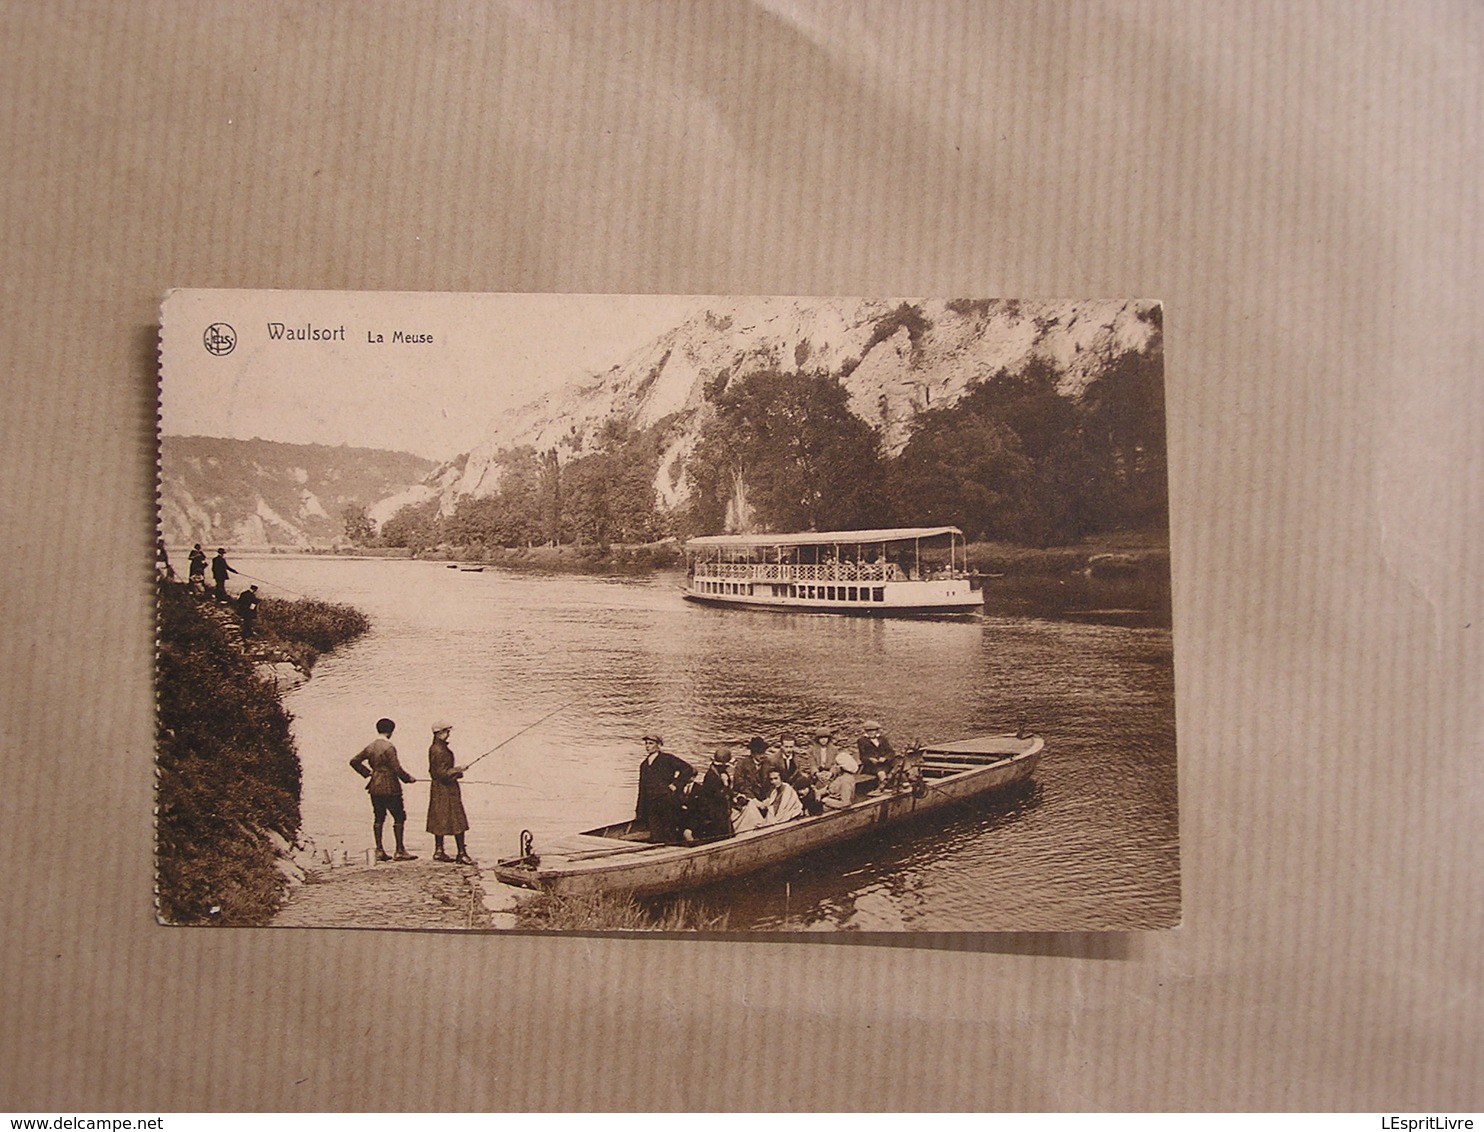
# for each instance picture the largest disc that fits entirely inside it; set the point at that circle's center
(664, 612)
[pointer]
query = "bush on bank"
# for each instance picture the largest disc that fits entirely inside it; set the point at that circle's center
(306, 628)
(227, 769)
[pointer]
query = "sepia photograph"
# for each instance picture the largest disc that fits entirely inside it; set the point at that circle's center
(655, 613)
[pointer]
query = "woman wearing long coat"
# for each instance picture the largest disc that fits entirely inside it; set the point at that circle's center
(445, 800)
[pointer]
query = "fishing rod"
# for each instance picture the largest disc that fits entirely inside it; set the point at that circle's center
(275, 585)
(519, 733)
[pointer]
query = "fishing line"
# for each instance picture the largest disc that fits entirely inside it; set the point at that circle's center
(275, 585)
(492, 782)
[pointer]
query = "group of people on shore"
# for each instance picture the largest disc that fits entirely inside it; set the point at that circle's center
(245, 602)
(379, 765)
(767, 784)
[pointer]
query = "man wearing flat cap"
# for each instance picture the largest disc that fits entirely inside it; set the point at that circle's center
(661, 777)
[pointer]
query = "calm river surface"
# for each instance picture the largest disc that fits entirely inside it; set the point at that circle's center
(1091, 844)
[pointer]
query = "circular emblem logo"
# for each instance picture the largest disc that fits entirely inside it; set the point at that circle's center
(220, 339)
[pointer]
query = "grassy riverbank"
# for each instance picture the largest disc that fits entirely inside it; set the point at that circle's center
(228, 773)
(305, 629)
(607, 912)
(592, 559)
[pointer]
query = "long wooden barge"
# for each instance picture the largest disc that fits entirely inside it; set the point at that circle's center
(614, 858)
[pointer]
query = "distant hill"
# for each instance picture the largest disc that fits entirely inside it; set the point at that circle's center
(264, 493)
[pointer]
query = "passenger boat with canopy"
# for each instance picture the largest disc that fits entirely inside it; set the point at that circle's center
(617, 858)
(902, 571)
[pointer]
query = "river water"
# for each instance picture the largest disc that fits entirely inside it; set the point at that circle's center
(1090, 844)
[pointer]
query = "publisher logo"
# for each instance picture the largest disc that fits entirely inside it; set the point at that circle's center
(220, 339)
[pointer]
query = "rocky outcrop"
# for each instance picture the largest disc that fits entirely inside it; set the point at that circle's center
(898, 356)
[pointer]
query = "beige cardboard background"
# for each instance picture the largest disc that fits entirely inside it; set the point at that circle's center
(1300, 182)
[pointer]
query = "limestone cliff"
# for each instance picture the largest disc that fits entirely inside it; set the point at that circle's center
(899, 356)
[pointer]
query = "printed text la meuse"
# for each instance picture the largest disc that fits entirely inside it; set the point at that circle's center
(374, 337)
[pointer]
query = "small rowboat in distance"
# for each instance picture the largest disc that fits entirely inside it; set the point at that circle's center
(613, 858)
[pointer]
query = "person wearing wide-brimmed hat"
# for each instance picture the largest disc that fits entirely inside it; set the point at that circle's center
(661, 777)
(822, 751)
(445, 799)
(197, 580)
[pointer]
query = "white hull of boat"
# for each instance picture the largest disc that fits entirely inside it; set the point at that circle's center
(900, 599)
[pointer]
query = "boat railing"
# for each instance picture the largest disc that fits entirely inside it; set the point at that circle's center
(800, 572)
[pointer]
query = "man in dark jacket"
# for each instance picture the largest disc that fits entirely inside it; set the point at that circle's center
(661, 777)
(707, 807)
(247, 609)
(384, 777)
(751, 771)
(219, 572)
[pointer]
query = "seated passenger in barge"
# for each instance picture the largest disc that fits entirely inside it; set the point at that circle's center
(780, 805)
(706, 802)
(837, 790)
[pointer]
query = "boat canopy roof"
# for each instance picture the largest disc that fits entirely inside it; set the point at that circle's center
(824, 538)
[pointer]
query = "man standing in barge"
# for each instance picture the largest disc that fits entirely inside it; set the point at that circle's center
(661, 777)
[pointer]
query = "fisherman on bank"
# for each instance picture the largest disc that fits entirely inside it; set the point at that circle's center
(247, 609)
(445, 799)
(219, 572)
(197, 579)
(378, 764)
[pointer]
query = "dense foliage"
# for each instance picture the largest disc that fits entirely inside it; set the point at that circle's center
(1016, 459)
(785, 451)
(227, 768)
(594, 498)
(306, 628)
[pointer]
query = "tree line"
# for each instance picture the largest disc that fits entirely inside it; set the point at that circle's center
(1012, 460)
